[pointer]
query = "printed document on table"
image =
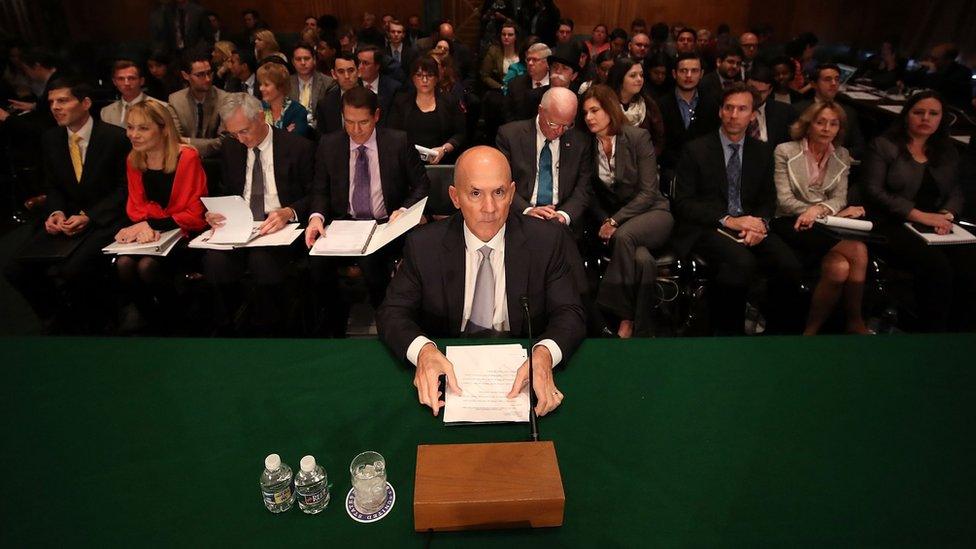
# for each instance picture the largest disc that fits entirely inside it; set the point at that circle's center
(486, 374)
(238, 224)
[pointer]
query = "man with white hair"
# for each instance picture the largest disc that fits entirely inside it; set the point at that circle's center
(272, 170)
(553, 183)
(525, 91)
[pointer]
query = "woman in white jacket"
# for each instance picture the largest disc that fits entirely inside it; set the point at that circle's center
(811, 182)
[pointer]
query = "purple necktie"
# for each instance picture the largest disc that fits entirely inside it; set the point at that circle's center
(361, 204)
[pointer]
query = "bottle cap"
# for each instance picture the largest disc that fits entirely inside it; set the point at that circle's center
(308, 464)
(272, 462)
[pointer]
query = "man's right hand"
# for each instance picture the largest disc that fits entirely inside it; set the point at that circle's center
(746, 223)
(53, 223)
(315, 229)
(431, 365)
(215, 220)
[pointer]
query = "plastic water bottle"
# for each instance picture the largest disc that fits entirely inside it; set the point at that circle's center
(312, 486)
(276, 486)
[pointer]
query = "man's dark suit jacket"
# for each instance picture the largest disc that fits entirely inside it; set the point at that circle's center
(701, 187)
(779, 117)
(388, 87)
(853, 138)
(102, 191)
(426, 296)
(711, 85)
(328, 112)
(516, 140)
(675, 134)
(523, 100)
(402, 174)
(196, 31)
(293, 156)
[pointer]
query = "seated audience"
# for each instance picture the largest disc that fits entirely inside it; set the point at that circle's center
(749, 43)
(728, 64)
(626, 79)
(499, 250)
(618, 42)
(773, 119)
(784, 73)
(685, 41)
(800, 52)
(687, 114)
(601, 67)
(553, 183)
(826, 84)
(564, 67)
(279, 110)
(164, 76)
(811, 174)
(308, 85)
(84, 175)
(564, 32)
(364, 172)
(658, 81)
(385, 87)
(398, 54)
(598, 42)
(266, 45)
(220, 61)
(429, 118)
(328, 113)
(243, 77)
(272, 170)
(525, 91)
(628, 209)
(886, 69)
(945, 75)
(197, 105)
(128, 81)
(724, 197)
(910, 174)
(639, 47)
(165, 182)
(501, 55)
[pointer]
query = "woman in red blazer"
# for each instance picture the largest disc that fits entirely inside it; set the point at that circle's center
(165, 180)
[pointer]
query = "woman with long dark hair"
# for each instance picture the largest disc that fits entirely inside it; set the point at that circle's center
(626, 78)
(911, 175)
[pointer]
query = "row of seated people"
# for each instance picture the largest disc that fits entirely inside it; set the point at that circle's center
(608, 179)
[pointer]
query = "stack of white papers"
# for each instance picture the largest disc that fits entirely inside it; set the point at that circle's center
(486, 374)
(161, 247)
(238, 225)
(360, 238)
(283, 237)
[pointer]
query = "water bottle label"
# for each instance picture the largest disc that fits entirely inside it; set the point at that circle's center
(275, 498)
(315, 498)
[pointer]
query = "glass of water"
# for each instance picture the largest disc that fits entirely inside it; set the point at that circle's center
(368, 471)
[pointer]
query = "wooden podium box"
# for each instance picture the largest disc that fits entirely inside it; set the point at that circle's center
(487, 486)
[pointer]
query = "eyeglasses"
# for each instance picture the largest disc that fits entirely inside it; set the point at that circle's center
(554, 126)
(688, 71)
(200, 74)
(424, 76)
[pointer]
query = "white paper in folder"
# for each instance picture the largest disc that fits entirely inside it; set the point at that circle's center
(846, 223)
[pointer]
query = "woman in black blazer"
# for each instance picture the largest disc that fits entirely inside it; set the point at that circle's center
(630, 208)
(430, 119)
(911, 174)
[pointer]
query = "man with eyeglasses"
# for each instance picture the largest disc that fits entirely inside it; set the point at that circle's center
(272, 170)
(550, 159)
(749, 43)
(687, 112)
(639, 47)
(826, 85)
(197, 105)
(525, 91)
(328, 112)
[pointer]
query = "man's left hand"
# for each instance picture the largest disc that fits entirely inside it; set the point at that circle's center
(548, 397)
(276, 221)
(74, 224)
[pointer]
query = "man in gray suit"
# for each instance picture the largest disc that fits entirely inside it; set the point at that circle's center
(197, 105)
(128, 79)
(308, 85)
(550, 159)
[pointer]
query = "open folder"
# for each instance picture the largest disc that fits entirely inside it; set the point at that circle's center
(283, 237)
(238, 227)
(160, 247)
(360, 238)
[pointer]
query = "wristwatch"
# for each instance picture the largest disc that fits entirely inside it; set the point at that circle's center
(611, 222)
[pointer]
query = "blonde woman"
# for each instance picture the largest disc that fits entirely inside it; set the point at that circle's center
(266, 45)
(165, 183)
(811, 181)
(222, 52)
(279, 110)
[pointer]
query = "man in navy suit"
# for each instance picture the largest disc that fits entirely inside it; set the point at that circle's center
(467, 275)
(363, 172)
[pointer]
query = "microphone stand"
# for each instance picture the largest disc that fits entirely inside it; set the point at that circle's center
(533, 420)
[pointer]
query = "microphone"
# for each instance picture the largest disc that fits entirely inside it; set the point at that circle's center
(533, 420)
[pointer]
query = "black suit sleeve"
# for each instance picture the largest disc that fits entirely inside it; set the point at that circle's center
(301, 173)
(766, 199)
(502, 143)
(577, 202)
(111, 207)
(396, 319)
(689, 204)
(566, 322)
(56, 199)
(455, 118)
(321, 180)
(415, 174)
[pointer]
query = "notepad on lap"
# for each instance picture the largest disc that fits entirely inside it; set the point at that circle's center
(958, 235)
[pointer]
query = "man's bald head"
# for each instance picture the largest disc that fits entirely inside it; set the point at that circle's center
(750, 44)
(557, 112)
(483, 190)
